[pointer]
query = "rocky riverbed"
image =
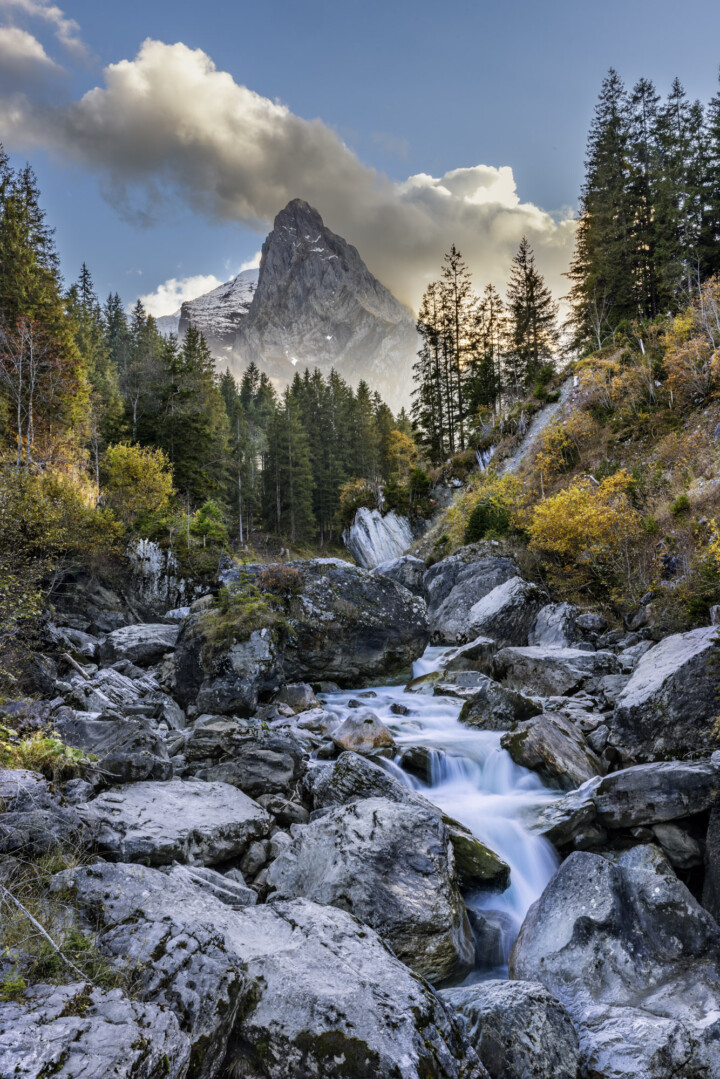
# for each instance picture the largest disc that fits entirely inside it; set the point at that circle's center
(408, 823)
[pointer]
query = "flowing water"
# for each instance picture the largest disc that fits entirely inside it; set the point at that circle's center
(475, 781)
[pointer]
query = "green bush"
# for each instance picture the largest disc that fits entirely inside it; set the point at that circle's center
(487, 518)
(680, 506)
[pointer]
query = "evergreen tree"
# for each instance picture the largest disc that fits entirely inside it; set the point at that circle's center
(287, 476)
(709, 244)
(533, 320)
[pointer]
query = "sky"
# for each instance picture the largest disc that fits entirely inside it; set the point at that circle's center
(166, 136)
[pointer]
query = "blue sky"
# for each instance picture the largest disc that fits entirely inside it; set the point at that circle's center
(407, 89)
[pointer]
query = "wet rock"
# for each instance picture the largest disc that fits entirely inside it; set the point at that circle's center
(669, 706)
(362, 732)
(299, 697)
(392, 866)
(352, 777)
(518, 1029)
(552, 672)
(495, 708)
(556, 625)
(179, 821)
(455, 584)
(506, 614)
(140, 644)
(265, 992)
(407, 571)
(78, 1032)
(555, 748)
(633, 957)
(128, 750)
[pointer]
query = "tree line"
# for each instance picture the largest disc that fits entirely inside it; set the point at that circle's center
(79, 378)
(478, 350)
(649, 226)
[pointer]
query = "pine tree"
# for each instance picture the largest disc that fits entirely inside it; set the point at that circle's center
(533, 320)
(709, 244)
(287, 477)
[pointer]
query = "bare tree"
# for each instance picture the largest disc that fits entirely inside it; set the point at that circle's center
(34, 377)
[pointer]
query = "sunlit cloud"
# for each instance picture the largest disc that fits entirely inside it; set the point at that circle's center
(168, 127)
(171, 294)
(66, 30)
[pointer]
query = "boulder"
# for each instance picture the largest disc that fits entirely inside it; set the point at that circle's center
(556, 625)
(362, 732)
(392, 865)
(299, 697)
(506, 614)
(128, 750)
(33, 821)
(351, 778)
(476, 655)
(105, 690)
(518, 1029)
(554, 747)
(455, 584)
(549, 671)
(407, 571)
(179, 821)
(74, 1031)
(271, 992)
(642, 796)
(335, 622)
(634, 958)
(669, 706)
(21, 789)
(141, 644)
(495, 708)
(84, 645)
(255, 760)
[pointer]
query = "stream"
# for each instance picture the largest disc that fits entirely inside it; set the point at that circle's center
(475, 781)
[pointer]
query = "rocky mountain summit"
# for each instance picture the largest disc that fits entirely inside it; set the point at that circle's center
(313, 303)
(254, 859)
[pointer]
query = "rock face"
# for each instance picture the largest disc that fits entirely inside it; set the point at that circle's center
(317, 305)
(374, 537)
(184, 821)
(127, 749)
(392, 866)
(506, 614)
(407, 571)
(218, 314)
(633, 956)
(342, 624)
(256, 760)
(456, 583)
(74, 1031)
(271, 992)
(518, 1030)
(556, 625)
(668, 707)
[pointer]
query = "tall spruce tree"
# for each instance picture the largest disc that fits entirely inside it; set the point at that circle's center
(533, 320)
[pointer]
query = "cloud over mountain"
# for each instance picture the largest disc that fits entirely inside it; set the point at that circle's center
(169, 126)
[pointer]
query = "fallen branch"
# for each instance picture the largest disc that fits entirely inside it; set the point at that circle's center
(8, 895)
(75, 665)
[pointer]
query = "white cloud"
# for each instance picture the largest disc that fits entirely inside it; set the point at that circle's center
(20, 49)
(169, 126)
(252, 263)
(66, 30)
(171, 294)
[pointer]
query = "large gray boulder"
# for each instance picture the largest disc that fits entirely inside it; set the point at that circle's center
(180, 821)
(506, 614)
(493, 707)
(332, 622)
(642, 796)
(351, 778)
(455, 584)
(254, 759)
(407, 571)
(270, 992)
(518, 1029)
(128, 750)
(476, 655)
(142, 644)
(392, 865)
(669, 706)
(79, 1032)
(634, 958)
(555, 748)
(548, 671)
(362, 732)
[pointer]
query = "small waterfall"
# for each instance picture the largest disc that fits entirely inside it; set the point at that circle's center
(374, 538)
(484, 457)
